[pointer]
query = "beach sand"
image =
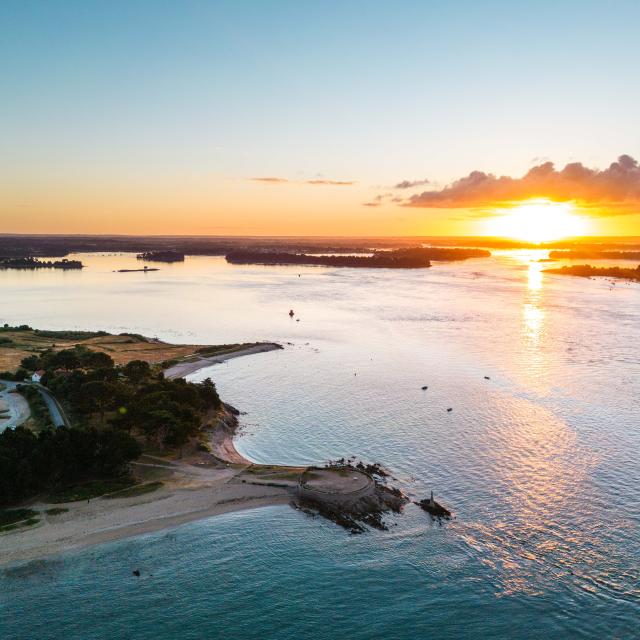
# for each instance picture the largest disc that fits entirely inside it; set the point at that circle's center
(201, 486)
(183, 369)
(191, 493)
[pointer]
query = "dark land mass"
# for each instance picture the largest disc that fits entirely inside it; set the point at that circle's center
(18, 245)
(594, 254)
(417, 258)
(587, 271)
(30, 262)
(161, 256)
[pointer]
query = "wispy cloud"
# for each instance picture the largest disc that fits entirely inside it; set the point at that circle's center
(316, 182)
(409, 184)
(616, 187)
(269, 180)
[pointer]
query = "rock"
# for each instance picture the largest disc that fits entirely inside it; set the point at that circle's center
(136, 573)
(434, 508)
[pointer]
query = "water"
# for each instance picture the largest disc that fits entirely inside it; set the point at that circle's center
(540, 463)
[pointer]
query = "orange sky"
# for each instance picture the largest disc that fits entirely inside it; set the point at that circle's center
(244, 207)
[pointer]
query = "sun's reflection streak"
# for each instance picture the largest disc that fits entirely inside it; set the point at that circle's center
(535, 277)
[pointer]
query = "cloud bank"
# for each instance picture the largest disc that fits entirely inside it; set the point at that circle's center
(616, 186)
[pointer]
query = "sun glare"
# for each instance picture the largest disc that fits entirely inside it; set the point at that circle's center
(538, 221)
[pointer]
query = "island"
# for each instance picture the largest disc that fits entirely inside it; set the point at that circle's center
(30, 262)
(115, 442)
(412, 258)
(588, 271)
(167, 255)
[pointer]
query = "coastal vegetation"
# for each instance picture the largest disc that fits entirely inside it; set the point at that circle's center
(115, 410)
(411, 258)
(30, 262)
(31, 463)
(588, 271)
(22, 341)
(166, 255)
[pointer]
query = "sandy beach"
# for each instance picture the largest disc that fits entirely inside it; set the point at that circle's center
(200, 486)
(189, 493)
(183, 369)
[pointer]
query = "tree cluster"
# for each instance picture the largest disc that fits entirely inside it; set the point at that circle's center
(31, 464)
(133, 398)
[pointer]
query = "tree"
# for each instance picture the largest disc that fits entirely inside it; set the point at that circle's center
(209, 395)
(30, 362)
(137, 370)
(97, 360)
(99, 395)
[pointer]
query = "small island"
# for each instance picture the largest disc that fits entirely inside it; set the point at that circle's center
(30, 262)
(413, 258)
(588, 271)
(166, 255)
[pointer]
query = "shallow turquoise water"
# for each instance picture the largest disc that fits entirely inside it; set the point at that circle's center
(540, 463)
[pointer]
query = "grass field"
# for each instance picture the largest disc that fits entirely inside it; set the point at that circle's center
(18, 344)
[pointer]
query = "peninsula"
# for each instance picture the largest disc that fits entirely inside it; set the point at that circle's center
(144, 449)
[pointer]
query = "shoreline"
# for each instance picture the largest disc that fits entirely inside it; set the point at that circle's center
(207, 485)
(188, 498)
(182, 369)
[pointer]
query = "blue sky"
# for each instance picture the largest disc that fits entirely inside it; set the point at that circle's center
(113, 98)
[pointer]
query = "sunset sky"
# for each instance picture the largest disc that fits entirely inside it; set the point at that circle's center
(319, 118)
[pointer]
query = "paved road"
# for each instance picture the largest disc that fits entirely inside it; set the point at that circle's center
(58, 416)
(18, 407)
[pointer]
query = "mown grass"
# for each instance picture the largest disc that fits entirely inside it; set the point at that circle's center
(89, 490)
(136, 490)
(19, 525)
(10, 516)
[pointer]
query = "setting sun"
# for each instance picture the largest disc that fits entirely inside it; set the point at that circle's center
(538, 220)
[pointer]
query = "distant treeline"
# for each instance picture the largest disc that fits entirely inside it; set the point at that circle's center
(587, 271)
(21, 246)
(30, 262)
(161, 256)
(415, 258)
(594, 254)
(24, 245)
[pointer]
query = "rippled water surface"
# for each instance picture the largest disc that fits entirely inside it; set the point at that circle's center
(540, 463)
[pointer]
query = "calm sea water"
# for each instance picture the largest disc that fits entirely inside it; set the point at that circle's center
(540, 463)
